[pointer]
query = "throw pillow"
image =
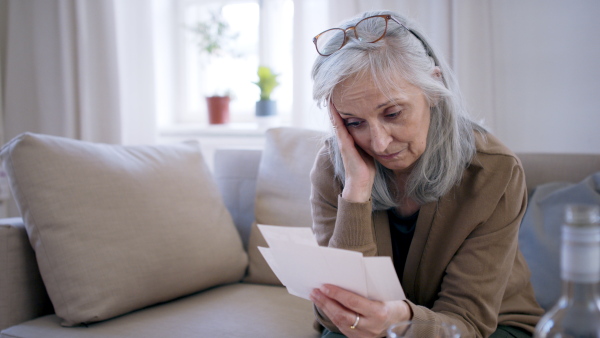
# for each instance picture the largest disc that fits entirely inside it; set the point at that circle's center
(117, 228)
(282, 191)
(540, 233)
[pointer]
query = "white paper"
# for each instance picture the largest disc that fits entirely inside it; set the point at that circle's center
(275, 234)
(302, 265)
(382, 280)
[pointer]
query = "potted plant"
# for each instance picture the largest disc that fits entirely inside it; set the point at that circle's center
(267, 81)
(214, 39)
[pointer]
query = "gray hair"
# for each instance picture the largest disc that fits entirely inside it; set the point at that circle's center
(404, 53)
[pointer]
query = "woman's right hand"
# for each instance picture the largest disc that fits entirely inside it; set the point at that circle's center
(359, 166)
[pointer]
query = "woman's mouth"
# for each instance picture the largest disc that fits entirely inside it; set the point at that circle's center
(388, 157)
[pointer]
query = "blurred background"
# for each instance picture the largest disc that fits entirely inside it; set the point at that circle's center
(137, 72)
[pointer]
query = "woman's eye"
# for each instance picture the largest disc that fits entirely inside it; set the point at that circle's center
(352, 123)
(392, 115)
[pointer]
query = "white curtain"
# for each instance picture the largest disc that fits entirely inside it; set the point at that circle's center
(80, 69)
(3, 21)
(77, 68)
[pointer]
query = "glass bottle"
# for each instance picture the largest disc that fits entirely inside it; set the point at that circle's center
(577, 313)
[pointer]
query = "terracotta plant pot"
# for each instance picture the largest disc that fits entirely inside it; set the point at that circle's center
(218, 109)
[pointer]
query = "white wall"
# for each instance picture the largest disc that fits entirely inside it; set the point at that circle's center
(528, 69)
(532, 72)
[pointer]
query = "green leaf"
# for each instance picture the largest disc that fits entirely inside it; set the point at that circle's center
(267, 81)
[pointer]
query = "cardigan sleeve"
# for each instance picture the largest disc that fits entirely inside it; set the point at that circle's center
(337, 222)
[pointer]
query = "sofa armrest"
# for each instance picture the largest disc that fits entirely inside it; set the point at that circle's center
(22, 292)
(235, 171)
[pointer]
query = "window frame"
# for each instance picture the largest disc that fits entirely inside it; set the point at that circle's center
(181, 115)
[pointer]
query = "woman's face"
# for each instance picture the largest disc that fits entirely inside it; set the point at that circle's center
(393, 129)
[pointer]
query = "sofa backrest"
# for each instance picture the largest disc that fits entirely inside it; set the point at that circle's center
(238, 182)
(545, 168)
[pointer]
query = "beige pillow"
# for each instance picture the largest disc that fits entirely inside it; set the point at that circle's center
(282, 190)
(117, 228)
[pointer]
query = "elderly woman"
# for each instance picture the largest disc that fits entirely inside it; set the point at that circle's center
(409, 175)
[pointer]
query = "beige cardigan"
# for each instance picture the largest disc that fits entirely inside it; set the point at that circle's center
(464, 266)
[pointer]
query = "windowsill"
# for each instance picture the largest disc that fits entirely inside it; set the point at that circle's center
(247, 129)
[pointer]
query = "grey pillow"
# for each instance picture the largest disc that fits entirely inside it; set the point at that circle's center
(540, 234)
(282, 191)
(117, 228)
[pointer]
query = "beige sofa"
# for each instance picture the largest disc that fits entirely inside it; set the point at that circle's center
(122, 241)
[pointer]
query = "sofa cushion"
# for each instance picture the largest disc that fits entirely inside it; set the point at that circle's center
(540, 233)
(22, 293)
(282, 190)
(117, 228)
(236, 310)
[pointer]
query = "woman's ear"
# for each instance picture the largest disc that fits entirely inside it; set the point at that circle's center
(437, 73)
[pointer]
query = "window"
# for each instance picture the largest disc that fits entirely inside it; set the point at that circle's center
(263, 38)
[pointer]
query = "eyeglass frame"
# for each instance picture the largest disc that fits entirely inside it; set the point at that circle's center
(387, 17)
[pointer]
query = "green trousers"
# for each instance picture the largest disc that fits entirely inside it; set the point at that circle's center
(501, 332)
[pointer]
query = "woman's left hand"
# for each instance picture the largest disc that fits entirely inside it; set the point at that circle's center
(342, 307)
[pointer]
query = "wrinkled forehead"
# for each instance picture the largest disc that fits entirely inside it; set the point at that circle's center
(369, 83)
(354, 92)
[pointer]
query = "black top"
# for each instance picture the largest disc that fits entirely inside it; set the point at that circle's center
(402, 230)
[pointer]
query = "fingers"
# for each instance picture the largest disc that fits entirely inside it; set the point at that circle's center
(342, 307)
(348, 299)
(359, 167)
(339, 126)
(341, 316)
(334, 116)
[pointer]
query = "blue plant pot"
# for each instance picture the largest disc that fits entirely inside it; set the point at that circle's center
(266, 108)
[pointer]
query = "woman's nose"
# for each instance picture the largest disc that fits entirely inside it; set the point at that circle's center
(380, 138)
